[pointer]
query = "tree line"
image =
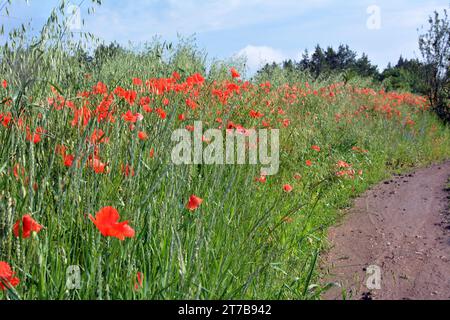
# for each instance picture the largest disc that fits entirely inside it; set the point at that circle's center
(428, 76)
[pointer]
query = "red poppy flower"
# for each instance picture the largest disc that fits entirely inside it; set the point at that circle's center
(359, 150)
(130, 117)
(127, 170)
(350, 173)
(147, 108)
(137, 82)
(144, 101)
(176, 76)
(106, 221)
(5, 119)
(68, 160)
(265, 123)
(343, 164)
(60, 149)
(195, 79)
(4, 84)
(191, 104)
(255, 114)
(139, 281)
(98, 136)
(316, 148)
(194, 203)
(36, 136)
(162, 114)
(7, 279)
(18, 171)
(142, 136)
(100, 88)
(287, 188)
(234, 73)
(97, 165)
(28, 226)
(261, 179)
(309, 163)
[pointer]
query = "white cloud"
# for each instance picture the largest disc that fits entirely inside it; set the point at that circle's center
(257, 56)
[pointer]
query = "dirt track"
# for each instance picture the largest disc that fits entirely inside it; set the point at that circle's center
(402, 226)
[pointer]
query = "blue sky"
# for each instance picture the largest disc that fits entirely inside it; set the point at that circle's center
(262, 30)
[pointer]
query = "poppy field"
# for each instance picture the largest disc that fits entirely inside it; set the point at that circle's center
(93, 208)
(92, 205)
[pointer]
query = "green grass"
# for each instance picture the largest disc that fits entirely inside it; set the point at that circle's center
(247, 240)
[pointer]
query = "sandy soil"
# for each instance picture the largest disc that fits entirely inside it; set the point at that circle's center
(402, 226)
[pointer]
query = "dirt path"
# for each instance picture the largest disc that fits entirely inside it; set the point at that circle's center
(402, 226)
